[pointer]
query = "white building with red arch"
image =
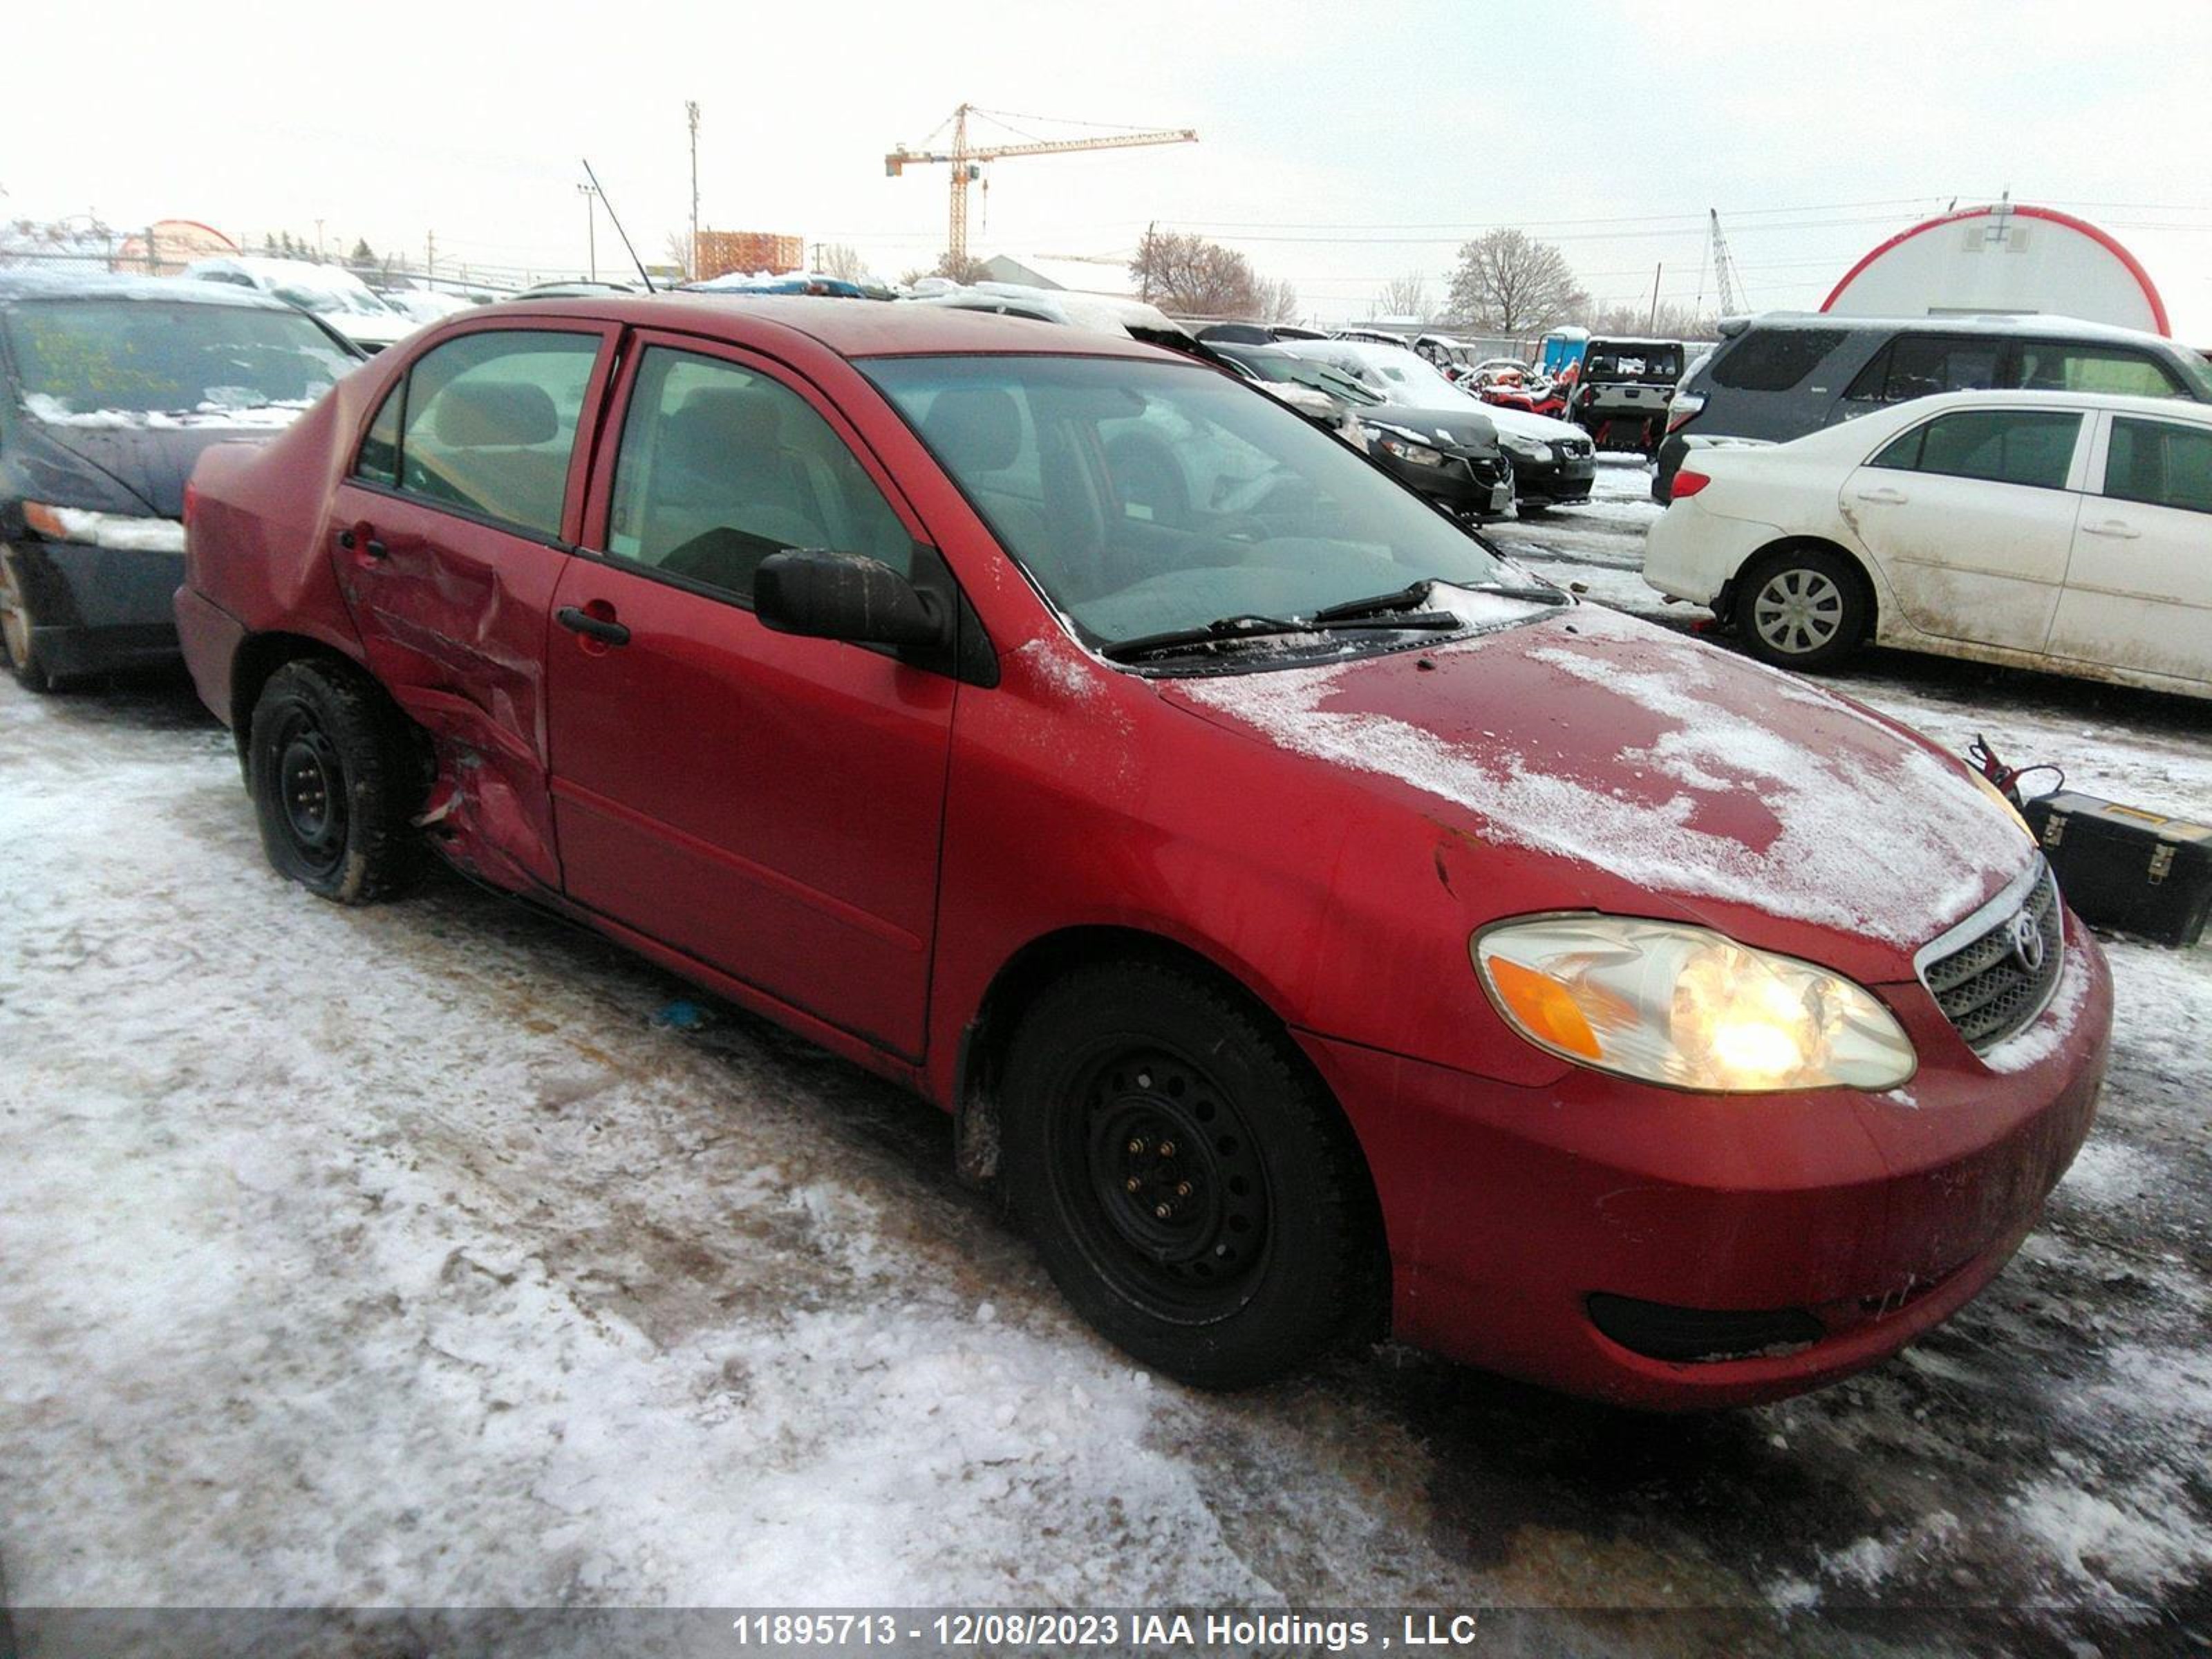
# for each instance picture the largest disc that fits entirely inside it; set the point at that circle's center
(2002, 257)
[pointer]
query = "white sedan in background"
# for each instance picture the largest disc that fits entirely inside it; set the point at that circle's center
(2060, 530)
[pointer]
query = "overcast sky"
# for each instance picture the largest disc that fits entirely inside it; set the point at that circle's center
(1340, 145)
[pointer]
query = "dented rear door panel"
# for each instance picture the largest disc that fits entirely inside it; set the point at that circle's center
(452, 611)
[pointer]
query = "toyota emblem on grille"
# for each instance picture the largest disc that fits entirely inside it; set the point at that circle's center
(2028, 942)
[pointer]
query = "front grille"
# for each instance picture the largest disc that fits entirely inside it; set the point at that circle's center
(1986, 987)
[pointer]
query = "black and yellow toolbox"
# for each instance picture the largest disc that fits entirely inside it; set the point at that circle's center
(2123, 868)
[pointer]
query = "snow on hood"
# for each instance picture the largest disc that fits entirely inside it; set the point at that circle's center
(1660, 763)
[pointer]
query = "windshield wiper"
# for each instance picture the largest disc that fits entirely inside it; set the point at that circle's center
(1226, 630)
(1352, 610)
(1403, 598)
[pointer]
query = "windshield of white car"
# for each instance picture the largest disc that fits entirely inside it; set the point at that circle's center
(1146, 499)
(139, 356)
(1285, 369)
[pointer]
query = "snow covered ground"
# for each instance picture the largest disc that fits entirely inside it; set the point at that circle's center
(398, 1256)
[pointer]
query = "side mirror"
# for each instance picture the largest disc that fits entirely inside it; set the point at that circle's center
(847, 596)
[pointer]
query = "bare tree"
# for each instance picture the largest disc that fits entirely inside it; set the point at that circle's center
(1510, 283)
(1184, 273)
(1404, 296)
(678, 249)
(1274, 300)
(970, 269)
(839, 260)
(1673, 321)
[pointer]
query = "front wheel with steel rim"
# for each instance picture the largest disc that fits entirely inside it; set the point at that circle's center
(1192, 1188)
(334, 778)
(1804, 608)
(15, 625)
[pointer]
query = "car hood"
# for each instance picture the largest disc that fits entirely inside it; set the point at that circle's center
(1630, 769)
(372, 332)
(1524, 423)
(149, 462)
(1463, 429)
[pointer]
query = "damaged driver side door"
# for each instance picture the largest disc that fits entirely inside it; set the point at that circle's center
(449, 536)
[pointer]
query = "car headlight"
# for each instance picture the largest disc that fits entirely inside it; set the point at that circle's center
(1688, 1007)
(1405, 449)
(126, 531)
(1526, 449)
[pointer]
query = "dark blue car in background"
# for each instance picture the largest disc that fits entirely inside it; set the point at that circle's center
(110, 387)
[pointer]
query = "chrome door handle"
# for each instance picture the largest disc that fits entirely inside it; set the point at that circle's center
(2116, 528)
(1886, 497)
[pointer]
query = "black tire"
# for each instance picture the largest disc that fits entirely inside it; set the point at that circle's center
(1804, 608)
(334, 777)
(16, 622)
(1191, 1186)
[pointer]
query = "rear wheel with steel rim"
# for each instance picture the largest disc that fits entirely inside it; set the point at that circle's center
(1191, 1186)
(334, 777)
(1804, 607)
(15, 625)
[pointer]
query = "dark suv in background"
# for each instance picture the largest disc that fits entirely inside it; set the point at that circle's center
(1778, 377)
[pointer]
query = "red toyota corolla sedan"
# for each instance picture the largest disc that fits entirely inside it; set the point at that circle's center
(1317, 924)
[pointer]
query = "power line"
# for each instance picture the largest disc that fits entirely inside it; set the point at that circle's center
(1698, 218)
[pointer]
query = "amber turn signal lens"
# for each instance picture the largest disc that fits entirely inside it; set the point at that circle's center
(1545, 1007)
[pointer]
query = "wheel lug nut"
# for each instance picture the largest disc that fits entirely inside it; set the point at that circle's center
(1162, 1211)
(1137, 1145)
(1133, 1183)
(1182, 1189)
(1167, 1149)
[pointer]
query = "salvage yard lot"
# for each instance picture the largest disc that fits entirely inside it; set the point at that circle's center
(399, 1256)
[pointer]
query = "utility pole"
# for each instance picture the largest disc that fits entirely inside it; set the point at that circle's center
(691, 259)
(429, 253)
(591, 228)
(319, 242)
(1652, 322)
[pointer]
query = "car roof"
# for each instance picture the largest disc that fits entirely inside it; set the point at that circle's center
(2121, 403)
(16, 285)
(851, 328)
(2037, 325)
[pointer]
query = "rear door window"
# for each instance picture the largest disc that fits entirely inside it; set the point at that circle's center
(1774, 359)
(2160, 462)
(1922, 365)
(486, 425)
(2034, 446)
(2051, 366)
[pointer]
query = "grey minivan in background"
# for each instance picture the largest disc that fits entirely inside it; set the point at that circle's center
(1780, 376)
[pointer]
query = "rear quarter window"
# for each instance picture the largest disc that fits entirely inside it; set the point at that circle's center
(1775, 359)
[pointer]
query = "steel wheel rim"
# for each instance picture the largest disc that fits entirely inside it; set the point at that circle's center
(310, 784)
(14, 624)
(1798, 610)
(1152, 1133)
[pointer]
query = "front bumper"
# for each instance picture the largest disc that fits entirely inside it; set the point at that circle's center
(1874, 1216)
(1465, 483)
(1561, 478)
(97, 609)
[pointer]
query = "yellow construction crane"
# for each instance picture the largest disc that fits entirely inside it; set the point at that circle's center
(967, 161)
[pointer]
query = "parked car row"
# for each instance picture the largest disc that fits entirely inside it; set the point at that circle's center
(1316, 924)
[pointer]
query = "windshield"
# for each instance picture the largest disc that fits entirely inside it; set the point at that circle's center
(81, 357)
(1659, 365)
(1147, 498)
(1282, 367)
